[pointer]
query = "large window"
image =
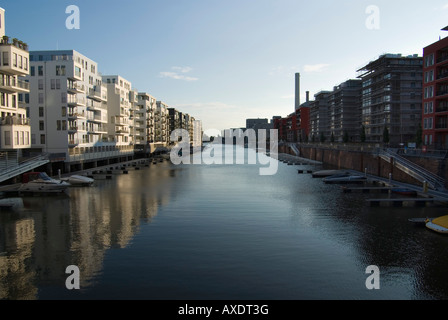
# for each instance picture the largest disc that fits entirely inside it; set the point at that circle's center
(7, 138)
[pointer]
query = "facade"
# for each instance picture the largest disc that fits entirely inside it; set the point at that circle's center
(319, 117)
(345, 112)
(303, 120)
(15, 129)
(392, 98)
(161, 124)
(251, 123)
(435, 95)
(120, 105)
(145, 122)
(68, 107)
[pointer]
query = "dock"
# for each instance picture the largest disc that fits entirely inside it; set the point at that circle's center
(402, 202)
(290, 159)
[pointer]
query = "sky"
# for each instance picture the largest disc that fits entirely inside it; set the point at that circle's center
(224, 61)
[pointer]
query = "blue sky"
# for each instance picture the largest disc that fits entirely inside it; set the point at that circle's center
(224, 61)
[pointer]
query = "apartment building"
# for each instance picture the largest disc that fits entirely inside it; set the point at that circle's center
(121, 101)
(319, 117)
(67, 105)
(15, 129)
(303, 119)
(144, 122)
(344, 116)
(392, 98)
(435, 95)
(161, 124)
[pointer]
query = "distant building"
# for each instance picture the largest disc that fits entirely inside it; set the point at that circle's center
(319, 117)
(303, 119)
(392, 98)
(435, 94)
(345, 112)
(251, 123)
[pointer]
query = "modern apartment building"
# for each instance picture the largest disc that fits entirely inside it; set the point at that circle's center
(161, 124)
(144, 115)
(121, 101)
(15, 130)
(67, 105)
(392, 98)
(435, 95)
(345, 112)
(319, 117)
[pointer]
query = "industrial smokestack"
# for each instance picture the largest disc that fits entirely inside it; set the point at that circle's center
(297, 102)
(307, 96)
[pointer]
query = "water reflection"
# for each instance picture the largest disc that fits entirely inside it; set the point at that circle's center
(38, 241)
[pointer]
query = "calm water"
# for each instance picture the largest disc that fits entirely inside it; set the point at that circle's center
(218, 232)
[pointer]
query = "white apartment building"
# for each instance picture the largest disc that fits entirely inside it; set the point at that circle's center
(121, 100)
(68, 108)
(144, 122)
(161, 124)
(15, 130)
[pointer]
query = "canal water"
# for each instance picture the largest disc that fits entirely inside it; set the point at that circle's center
(224, 232)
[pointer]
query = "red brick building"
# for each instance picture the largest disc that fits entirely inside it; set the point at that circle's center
(435, 95)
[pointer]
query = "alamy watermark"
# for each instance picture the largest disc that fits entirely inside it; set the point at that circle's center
(373, 280)
(73, 21)
(373, 20)
(224, 152)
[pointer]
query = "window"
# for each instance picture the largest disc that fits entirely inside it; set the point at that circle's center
(40, 70)
(58, 83)
(14, 60)
(42, 139)
(33, 138)
(64, 97)
(58, 125)
(41, 98)
(41, 125)
(7, 138)
(64, 125)
(64, 111)
(58, 70)
(16, 138)
(41, 112)
(5, 58)
(14, 101)
(33, 70)
(41, 84)
(53, 84)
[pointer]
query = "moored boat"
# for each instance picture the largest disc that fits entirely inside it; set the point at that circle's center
(78, 180)
(404, 191)
(41, 182)
(439, 225)
(345, 178)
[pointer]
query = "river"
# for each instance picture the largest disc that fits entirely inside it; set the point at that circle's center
(198, 231)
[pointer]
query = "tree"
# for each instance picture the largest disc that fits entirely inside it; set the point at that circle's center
(322, 137)
(386, 138)
(419, 136)
(363, 134)
(345, 137)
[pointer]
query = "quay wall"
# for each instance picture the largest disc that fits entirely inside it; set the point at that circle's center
(365, 161)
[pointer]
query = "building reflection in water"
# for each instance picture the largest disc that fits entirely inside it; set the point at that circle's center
(50, 233)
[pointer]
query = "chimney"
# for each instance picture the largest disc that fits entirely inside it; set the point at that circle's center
(307, 96)
(297, 101)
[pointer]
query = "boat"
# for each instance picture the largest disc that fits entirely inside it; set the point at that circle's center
(41, 182)
(78, 180)
(404, 191)
(326, 173)
(11, 203)
(419, 221)
(345, 178)
(439, 225)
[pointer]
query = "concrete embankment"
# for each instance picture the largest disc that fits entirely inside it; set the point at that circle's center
(368, 162)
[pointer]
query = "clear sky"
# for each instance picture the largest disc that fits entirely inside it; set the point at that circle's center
(224, 61)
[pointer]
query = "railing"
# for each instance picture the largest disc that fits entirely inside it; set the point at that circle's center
(24, 166)
(413, 169)
(12, 120)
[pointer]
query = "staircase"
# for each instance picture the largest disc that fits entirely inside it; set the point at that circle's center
(10, 169)
(295, 149)
(435, 182)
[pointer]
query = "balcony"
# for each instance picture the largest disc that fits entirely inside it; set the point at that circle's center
(98, 93)
(15, 57)
(76, 115)
(12, 85)
(75, 88)
(76, 101)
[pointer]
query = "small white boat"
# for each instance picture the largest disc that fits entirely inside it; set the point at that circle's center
(41, 182)
(78, 180)
(345, 178)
